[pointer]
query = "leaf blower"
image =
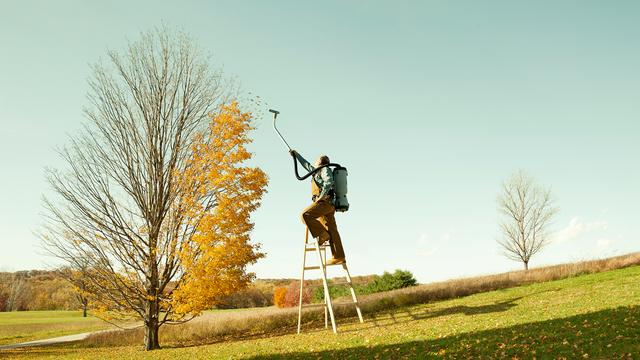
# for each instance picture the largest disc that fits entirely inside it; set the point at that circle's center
(340, 172)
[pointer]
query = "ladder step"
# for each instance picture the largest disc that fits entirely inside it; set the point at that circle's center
(318, 267)
(322, 248)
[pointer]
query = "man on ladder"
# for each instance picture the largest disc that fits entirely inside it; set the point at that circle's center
(329, 190)
(320, 215)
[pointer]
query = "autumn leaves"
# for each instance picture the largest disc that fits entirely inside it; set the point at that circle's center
(218, 194)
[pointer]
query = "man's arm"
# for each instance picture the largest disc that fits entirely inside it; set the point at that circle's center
(305, 164)
(327, 183)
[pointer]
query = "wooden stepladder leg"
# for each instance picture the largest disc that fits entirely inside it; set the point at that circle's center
(326, 308)
(304, 263)
(327, 296)
(321, 252)
(353, 292)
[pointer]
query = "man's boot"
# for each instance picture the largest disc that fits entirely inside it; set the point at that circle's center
(336, 261)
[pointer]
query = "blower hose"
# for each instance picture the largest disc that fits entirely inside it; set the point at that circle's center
(295, 167)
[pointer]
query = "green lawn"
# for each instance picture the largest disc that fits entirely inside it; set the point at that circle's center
(591, 316)
(20, 326)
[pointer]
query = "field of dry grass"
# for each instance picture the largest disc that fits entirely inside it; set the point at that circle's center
(226, 325)
(473, 285)
(589, 316)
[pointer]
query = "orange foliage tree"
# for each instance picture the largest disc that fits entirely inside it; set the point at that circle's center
(218, 197)
(279, 297)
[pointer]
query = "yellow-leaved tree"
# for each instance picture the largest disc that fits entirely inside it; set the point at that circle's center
(218, 197)
(156, 197)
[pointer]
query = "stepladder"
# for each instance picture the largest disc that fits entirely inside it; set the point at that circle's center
(312, 246)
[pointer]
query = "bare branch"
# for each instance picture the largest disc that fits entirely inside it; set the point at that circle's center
(528, 211)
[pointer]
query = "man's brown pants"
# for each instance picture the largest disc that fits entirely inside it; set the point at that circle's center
(319, 218)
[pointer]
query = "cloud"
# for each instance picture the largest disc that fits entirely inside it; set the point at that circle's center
(600, 248)
(428, 247)
(604, 244)
(428, 252)
(578, 228)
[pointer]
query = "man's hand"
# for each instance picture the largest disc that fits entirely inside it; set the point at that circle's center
(292, 152)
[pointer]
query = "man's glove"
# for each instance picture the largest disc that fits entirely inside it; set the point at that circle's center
(292, 152)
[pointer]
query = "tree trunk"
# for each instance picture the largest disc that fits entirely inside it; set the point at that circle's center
(151, 326)
(151, 323)
(84, 309)
(526, 265)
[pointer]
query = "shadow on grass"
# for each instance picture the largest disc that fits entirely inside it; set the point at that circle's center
(611, 333)
(389, 317)
(472, 310)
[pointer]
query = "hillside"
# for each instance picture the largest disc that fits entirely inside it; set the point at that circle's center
(588, 316)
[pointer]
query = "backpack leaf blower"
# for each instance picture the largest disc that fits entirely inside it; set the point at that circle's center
(340, 172)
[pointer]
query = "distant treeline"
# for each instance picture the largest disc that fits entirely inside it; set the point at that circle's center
(262, 291)
(49, 290)
(36, 290)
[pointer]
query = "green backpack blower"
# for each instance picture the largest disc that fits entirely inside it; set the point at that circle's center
(340, 173)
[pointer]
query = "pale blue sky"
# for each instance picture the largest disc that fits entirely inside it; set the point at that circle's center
(430, 104)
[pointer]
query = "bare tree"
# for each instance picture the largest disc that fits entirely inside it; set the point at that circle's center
(16, 292)
(117, 209)
(528, 210)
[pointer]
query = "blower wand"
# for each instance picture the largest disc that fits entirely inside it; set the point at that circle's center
(275, 115)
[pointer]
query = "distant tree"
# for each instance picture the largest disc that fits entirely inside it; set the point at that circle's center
(364, 285)
(527, 210)
(4, 293)
(246, 298)
(390, 281)
(50, 292)
(35, 290)
(292, 295)
(82, 291)
(17, 290)
(279, 296)
(157, 198)
(80, 278)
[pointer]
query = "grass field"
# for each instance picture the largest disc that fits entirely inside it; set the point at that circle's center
(589, 316)
(24, 326)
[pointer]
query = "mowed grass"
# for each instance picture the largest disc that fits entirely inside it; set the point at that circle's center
(21, 326)
(589, 316)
